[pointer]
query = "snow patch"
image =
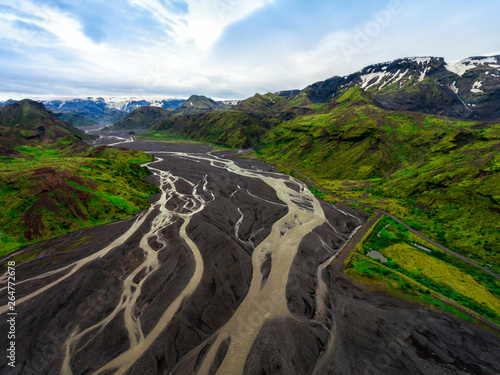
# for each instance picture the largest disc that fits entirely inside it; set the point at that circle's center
(454, 87)
(232, 102)
(389, 81)
(421, 60)
(475, 87)
(401, 76)
(462, 66)
(422, 75)
(367, 78)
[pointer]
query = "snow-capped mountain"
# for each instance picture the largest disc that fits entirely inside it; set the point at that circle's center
(229, 102)
(469, 88)
(109, 109)
(129, 104)
(112, 109)
(461, 67)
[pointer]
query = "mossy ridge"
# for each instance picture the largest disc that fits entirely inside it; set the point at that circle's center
(49, 191)
(418, 270)
(141, 118)
(240, 127)
(438, 174)
(229, 128)
(23, 119)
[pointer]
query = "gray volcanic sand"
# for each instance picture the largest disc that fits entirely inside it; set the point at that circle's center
(335, 326)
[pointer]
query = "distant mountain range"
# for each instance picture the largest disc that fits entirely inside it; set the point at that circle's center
(149, 116)
(468, 89)
(91, 111)
(107, 110)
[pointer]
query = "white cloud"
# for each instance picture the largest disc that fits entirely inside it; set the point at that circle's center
(169, 63)
(174, 51)
(68, 35)
(67, 30)
(205, 21)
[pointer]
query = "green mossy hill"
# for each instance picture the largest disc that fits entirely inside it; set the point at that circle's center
(440, 175)
(262, 103)
(75, 119)
(373, 142)
(27, 119)
(229, 128)
(50, 189)
(142, 118)
(199, 104)
(239, 127)
(273, 108)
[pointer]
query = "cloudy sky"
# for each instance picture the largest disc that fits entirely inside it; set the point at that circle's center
(223, 48)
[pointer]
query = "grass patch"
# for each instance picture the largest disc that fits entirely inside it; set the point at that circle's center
(318, 193)
(418, 270)
(53, 189)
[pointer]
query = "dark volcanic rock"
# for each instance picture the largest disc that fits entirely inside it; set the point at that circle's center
(333, 325)
(378, 334)
(286, 346)
(441, 101)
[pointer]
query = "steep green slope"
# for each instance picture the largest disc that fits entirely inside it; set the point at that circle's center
(440, 175)
(77, 120)
(242, 126)
(229, 128)
(142, 118)
(199, 104)
(27, 118)
(50, 189)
